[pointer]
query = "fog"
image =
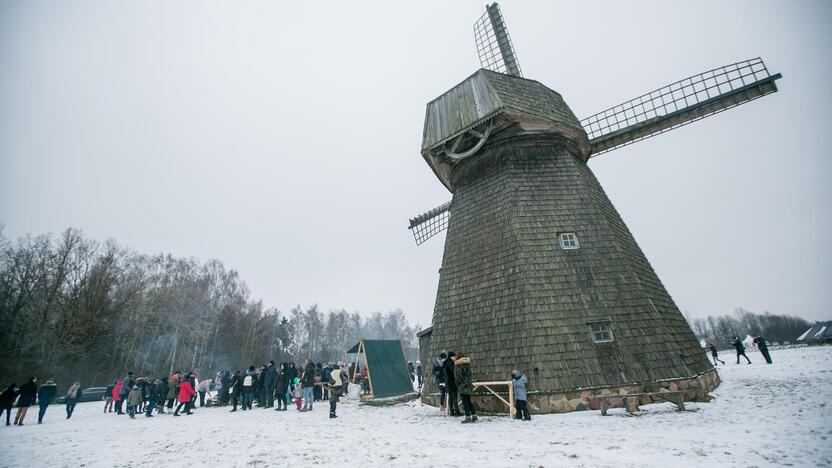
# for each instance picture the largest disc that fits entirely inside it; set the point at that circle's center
(283, 138)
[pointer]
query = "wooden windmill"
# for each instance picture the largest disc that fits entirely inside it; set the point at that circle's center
(539, 271)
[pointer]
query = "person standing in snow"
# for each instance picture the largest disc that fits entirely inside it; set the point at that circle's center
(235, 386)
(281, 387)
(126, 386)
(464, 381)
(307, 382)
(249, 384)
(334, 386)
(203, 389)
(715, 354)
(117, 396)
(46, 394)
(72, 397)
(763, 347)
(173, 389)
(7, 401)
(134, 399)
(450, 383)
(187, 394)
(297, 393)
(740, 347)
(108, 397)
(438, 372)
(27, 394)
(161, 395)
(518, 381)
(269, 383)
(419, 375)
(411, 371)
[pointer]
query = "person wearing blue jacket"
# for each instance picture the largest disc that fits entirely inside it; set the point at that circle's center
(519, 382)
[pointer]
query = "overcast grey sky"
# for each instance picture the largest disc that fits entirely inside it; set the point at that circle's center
(283, 138)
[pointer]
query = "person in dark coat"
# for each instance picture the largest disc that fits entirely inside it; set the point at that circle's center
(269, 384)
(419, 375)
(438, 373)
(6, 402)
(412, 371)
(281, 387)
(715, 354)
(46, 393)
(224, 390)
(27, 394)
(317, 392)
(450, 383)
(307, 382)
(464, 381)
(108, 397)
(152, 389)
(126, 386)
(291, 375)
(72, 397)
(249, 386)
(235, 387)
(740, 349)
(763, 347)
(259, 388)
(161, 395)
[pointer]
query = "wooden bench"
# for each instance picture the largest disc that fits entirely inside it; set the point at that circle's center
(677, 398)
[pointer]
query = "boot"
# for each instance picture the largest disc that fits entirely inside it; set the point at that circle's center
(332, 416)
(474, 418)
(467, 420)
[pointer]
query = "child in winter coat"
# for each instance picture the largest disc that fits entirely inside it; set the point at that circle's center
(519, 382)
(134, 399)
(297, 393)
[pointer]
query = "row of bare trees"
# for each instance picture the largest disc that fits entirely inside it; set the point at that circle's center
(76, 309)
(774, 328)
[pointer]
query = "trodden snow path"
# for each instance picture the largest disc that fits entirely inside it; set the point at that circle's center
(762, 415)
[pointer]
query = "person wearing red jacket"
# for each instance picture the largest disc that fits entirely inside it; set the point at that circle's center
(117, 397)
(186, 392)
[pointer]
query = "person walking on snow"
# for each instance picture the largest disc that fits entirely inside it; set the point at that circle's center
(117, 396)
(249, 384)
(715, 355)
(186, 393)
(740, 349)
(134, 399)
(72, 397)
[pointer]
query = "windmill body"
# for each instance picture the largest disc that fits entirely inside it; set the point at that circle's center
(539, 271)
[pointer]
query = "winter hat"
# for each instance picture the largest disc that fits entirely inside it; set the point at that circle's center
(296, 380)
(443, 355)
(451, 354)
(515, 374)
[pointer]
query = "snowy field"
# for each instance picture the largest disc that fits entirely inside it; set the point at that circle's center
(762, 415)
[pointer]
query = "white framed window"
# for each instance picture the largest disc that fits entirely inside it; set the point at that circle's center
(600, 332)
(568, 241)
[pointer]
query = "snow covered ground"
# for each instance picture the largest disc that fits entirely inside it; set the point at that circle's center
(762, 415)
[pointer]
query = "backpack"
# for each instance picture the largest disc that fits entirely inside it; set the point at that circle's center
(248, 381)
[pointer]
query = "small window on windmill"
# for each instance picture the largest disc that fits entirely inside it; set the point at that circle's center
(600, 332)
(568, 241)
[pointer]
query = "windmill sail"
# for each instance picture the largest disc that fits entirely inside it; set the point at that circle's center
(494, 44)
(431, 223)
(678, 104)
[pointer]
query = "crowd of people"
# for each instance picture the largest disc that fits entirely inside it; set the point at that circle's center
(266, 387)
(452, 373)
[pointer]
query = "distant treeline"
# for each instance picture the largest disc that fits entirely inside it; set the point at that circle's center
(75, 309)
(774, 328)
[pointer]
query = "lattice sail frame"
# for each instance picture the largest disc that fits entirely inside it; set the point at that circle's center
(431, 223)
(494, 47)
(678, 104)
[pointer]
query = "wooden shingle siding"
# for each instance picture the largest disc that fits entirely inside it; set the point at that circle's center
(511, 298)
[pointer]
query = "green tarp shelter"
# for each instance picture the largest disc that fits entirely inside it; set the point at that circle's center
(386, 367)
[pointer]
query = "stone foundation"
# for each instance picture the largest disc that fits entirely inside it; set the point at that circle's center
(697, 389)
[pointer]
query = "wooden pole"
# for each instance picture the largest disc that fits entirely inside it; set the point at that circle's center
(367, 365)
(511, 410)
